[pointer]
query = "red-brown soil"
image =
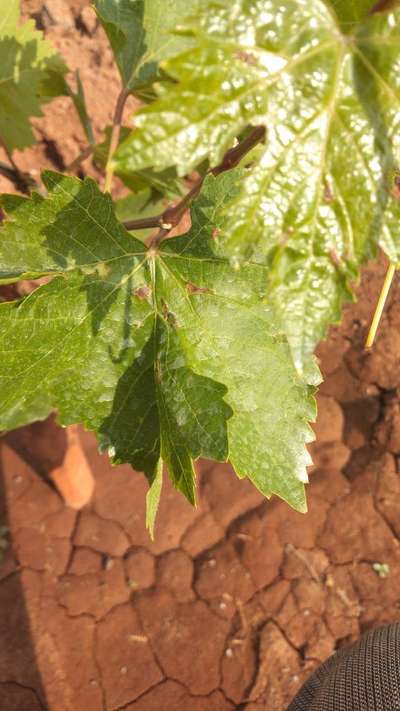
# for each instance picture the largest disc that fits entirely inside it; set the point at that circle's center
(235, 602)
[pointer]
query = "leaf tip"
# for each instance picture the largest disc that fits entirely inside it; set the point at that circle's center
(153, 499)
(303, 507)
(51, 178)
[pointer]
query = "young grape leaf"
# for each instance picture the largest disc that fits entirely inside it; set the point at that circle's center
(31, 72)
(167, 352)
(323, 193)
(140, 34)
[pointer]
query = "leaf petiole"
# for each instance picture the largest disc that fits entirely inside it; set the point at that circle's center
(114, 138)
(171, 216)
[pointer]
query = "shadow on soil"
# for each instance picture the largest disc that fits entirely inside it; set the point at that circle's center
(21, 687)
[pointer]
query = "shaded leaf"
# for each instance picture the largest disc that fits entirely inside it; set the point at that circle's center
(350, 12)
(79, 101)
(31, 72)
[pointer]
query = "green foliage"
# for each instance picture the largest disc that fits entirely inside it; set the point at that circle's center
(140, 33)
(161, 183)
(31, 73)
(9, 19)
(201, 345)
(319, 199)
(129, 341)
(351, 12)
(153, 499)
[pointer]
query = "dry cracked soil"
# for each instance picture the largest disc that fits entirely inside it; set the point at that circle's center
(235, 602)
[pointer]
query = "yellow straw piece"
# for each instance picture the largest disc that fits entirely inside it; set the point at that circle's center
(380, 305)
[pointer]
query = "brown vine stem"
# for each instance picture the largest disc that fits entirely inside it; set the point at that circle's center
(86, 153)
(114, 138)
(172, 215)
(22, 181)
(380, 306)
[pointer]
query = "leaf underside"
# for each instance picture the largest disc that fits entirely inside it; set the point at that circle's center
(322, 194)
(171, 354)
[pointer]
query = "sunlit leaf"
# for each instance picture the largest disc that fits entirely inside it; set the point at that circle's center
(322, 195)
(169, 353)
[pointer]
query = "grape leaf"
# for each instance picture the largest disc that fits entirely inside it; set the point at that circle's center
(153, 499)
(165, 182)
(322, 194)
(350, 12)
(9, 18)
(167, 353)
(140, 34)
(31, 72)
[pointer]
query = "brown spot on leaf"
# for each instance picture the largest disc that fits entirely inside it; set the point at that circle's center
(164, 308)
(328, 194)
(193, 289)
(142, 292)
(246, 57)
(395, 192)
(335, 259)
(168, 315)
(285, 236)
(215, 233)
